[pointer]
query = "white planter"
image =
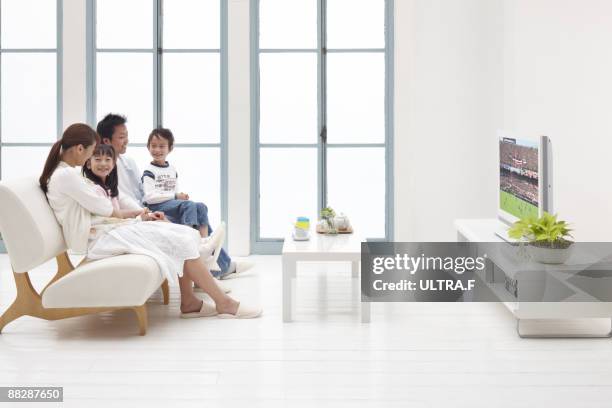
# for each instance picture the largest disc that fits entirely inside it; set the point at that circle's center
(552, 256)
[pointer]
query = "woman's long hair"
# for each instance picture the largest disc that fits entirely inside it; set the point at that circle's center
(112, 180)
(74, 135)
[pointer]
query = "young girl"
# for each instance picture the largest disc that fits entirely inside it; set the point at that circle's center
(74, 201)
(100, 169)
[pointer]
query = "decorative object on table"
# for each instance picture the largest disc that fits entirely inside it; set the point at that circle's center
(328, 215)
(322, 227)
(301, 229)
(342, 223)
(303, 222)
(546, 238)
(332, 224)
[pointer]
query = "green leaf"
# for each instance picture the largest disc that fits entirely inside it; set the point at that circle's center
(547, 228)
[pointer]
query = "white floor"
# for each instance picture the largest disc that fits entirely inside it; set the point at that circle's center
(411, 355)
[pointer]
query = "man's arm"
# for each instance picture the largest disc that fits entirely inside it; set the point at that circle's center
(137, 179)
(127, 203)
(130, 184)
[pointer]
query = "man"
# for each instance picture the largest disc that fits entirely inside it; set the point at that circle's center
(113, 131)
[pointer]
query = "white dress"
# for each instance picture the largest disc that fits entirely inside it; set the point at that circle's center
(169, 244)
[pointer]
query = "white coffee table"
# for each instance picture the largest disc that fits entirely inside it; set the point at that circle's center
(320, 248)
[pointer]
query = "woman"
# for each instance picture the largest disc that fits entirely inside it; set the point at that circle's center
(175, 247)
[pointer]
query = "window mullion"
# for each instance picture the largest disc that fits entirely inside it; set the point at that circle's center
(223, 49)
(157, 65)
(322, 95)
(389, 130)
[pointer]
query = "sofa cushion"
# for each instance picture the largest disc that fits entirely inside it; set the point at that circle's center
(29, 228)
(125, 280)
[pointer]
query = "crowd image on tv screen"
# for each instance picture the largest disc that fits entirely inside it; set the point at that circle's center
(519, 170)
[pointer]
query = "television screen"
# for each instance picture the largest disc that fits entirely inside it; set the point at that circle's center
(519, 177)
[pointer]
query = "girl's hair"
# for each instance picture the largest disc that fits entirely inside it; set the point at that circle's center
(76, 134)
(112, 180)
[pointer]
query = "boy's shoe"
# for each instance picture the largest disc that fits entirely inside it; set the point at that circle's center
(211, 265)
(211, 245)
(237, 268)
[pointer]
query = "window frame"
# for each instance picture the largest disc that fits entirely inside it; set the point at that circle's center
(157, 51)
(261, 245)
(58, 51)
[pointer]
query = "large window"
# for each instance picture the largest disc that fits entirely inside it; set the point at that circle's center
(30, 84)
(163, 63)
(321, 114)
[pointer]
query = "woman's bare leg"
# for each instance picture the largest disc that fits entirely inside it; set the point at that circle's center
(195, 270)
(203, 233)
(203, 229)
(189, 301)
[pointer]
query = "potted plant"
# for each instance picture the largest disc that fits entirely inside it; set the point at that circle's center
(547, 238)
(328, 214)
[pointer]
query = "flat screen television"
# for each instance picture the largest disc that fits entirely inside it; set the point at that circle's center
(525, 177)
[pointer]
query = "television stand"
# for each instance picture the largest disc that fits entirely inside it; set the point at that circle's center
(502, 232)
(544, 319)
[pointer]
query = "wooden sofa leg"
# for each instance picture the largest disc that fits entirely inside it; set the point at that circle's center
(15, 311)
(141, 314)
(27, 301)
(166, 292)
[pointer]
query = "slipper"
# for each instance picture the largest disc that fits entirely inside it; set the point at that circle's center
(243, 312)
(209, 262)
(221, 286)
(237, 268)
(211, 245)
(219, 242)
(206, 311)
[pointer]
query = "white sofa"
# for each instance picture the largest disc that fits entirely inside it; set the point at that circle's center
(32, 236)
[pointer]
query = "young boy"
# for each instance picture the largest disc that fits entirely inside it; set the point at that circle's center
(161, 193)
(160, 184)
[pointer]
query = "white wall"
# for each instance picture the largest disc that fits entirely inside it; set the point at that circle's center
(74, 62)
(559, 83)
(239, 128)
(448, 91)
